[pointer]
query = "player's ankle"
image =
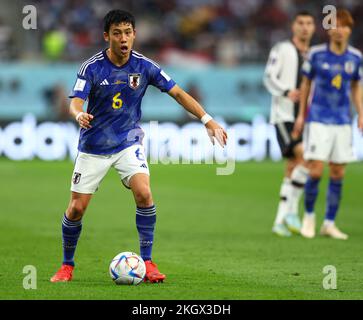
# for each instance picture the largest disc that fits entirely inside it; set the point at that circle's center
(70, 264)
(328, 223)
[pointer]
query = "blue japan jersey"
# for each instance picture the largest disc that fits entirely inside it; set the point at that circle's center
(331, 87)
(114, 99)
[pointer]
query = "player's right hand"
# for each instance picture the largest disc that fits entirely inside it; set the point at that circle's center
(294, 95)
(215, 131)
(84, 120)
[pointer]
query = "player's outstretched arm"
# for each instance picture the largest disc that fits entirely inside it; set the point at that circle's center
(357, 101)
(76, 110)
(304, 94)
(190, 104)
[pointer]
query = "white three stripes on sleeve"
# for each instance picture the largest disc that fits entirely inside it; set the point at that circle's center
(140, 56)
(84, 66)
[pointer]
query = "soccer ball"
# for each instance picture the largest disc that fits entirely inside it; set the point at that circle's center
(127, 268)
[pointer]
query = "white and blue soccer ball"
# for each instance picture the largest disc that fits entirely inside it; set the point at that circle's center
(127, 268)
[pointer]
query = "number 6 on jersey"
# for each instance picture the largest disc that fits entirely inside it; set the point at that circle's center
(116, 101)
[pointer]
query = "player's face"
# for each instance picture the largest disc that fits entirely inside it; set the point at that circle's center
(303, 27)
(340, 34)
(121, 38)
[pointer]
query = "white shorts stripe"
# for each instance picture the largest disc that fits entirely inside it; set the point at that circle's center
(285, 135)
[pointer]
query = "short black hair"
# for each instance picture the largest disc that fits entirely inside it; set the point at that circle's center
(304, 13)
(116, 17)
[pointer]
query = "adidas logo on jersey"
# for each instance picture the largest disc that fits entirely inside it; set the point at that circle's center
(104, 83)
(143, 166)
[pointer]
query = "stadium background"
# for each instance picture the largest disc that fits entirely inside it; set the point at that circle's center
(216, 50)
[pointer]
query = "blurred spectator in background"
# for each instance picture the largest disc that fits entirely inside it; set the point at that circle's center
(5, 41)
(14, 85)
(192, 88)
(54, 44)
(58, 103)
(226, 32)
(177, 33)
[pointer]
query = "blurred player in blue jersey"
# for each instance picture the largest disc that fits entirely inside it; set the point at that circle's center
(332, 74)
(114, 81)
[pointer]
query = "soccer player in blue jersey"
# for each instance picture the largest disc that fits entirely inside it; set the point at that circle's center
(332, 74)
(114, 81)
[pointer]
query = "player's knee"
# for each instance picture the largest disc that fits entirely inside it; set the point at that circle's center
(337, 176)
(290, 167)
(315, 173)
(143, 197)
(76, 210)
(299, 153)
(337, 173)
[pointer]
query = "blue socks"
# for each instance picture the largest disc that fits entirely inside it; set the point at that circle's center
(311, 193)
(145, 223)
(333, 199)
(71, 231)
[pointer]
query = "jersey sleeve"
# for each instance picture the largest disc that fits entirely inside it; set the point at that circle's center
(308, 68)
(82, 86)
(272, 70)
(159, 79)
(358, 75)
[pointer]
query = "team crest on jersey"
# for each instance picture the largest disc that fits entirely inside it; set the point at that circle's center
(134, 80)
(76, 178)
(349, 67)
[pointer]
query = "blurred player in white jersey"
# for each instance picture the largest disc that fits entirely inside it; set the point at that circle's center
(334, 70)
(282, 79)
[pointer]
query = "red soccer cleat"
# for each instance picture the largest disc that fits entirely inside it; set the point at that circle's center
(152, 273)
(63, 274)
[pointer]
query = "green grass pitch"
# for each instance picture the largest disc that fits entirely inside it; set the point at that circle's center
(213, 235)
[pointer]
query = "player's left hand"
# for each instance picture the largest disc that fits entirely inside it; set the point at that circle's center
(298, 127)
(216, 131)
